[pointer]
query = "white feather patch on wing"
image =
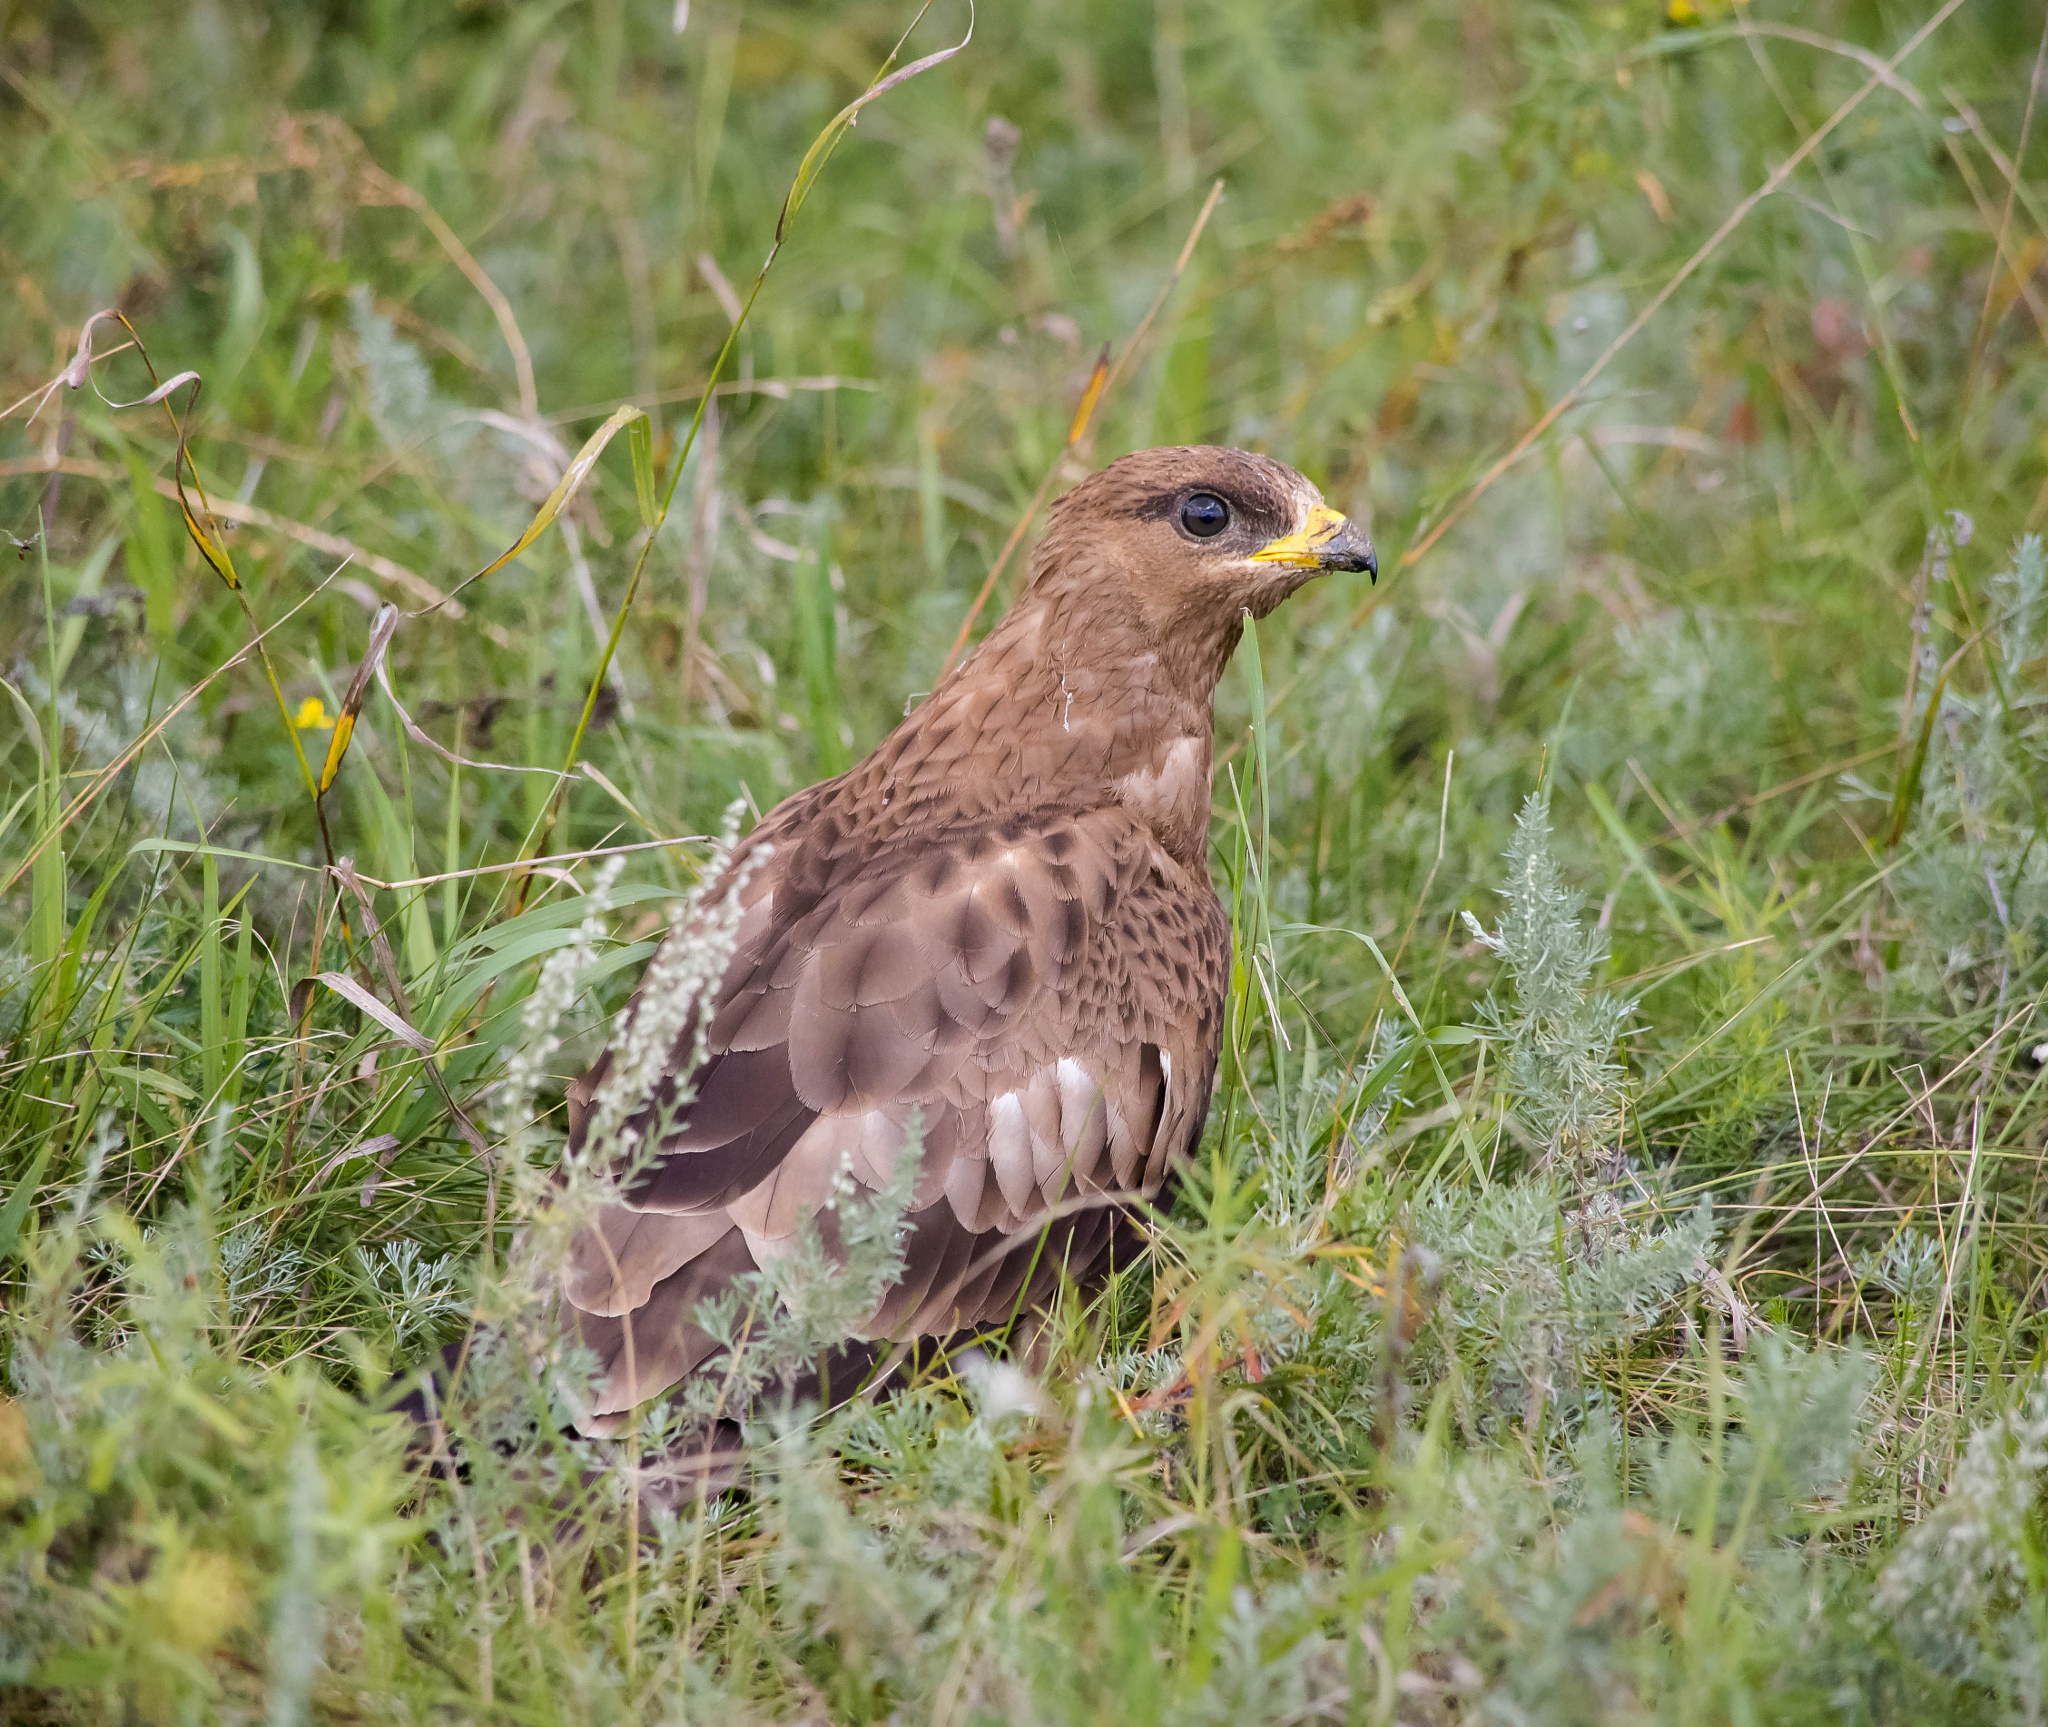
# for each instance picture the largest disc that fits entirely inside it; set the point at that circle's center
(1009, 1149)
(1081, 1125)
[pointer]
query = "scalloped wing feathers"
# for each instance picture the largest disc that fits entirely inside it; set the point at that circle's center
(1044, 996)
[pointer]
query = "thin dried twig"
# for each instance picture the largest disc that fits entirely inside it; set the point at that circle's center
(415, 585)
(379, 187)
(537, 863)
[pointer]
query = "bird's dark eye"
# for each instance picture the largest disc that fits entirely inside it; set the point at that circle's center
(1204, 515)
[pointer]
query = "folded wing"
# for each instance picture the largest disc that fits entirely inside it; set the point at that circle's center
(1043, 997)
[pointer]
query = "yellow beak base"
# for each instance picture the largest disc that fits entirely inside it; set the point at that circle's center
(1303, 549)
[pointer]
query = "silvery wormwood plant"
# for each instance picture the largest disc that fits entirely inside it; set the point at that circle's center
(1557, 1036)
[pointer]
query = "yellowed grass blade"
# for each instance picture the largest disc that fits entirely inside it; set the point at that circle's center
(566, 488)
(1097, 379)
(827, 141)
(382, 627)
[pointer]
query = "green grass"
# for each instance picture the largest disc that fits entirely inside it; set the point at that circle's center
(1487, 1368)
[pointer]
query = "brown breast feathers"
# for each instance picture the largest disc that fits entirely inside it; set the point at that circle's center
(999, 925)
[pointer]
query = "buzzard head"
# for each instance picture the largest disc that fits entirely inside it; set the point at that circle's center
(1182, 542)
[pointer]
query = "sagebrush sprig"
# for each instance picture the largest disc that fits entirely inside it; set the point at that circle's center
(1963, 1588)
(674, 997)
(1558, 1036)
(554, 994)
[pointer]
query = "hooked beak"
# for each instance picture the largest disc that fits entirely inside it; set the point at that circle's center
(1329, 540)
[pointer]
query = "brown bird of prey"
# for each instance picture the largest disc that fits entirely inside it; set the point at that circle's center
(998, 927)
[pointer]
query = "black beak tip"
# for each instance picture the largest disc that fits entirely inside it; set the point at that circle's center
(1351, 550)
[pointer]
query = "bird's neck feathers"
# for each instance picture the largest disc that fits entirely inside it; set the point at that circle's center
(1070, 701)
(1088, 596)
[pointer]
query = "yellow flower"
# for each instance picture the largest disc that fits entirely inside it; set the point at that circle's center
(312, 716)
(1681, 12)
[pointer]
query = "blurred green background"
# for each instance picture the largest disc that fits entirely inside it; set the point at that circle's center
(1434, 217)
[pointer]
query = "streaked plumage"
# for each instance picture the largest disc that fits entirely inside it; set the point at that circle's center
(1000, 922)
